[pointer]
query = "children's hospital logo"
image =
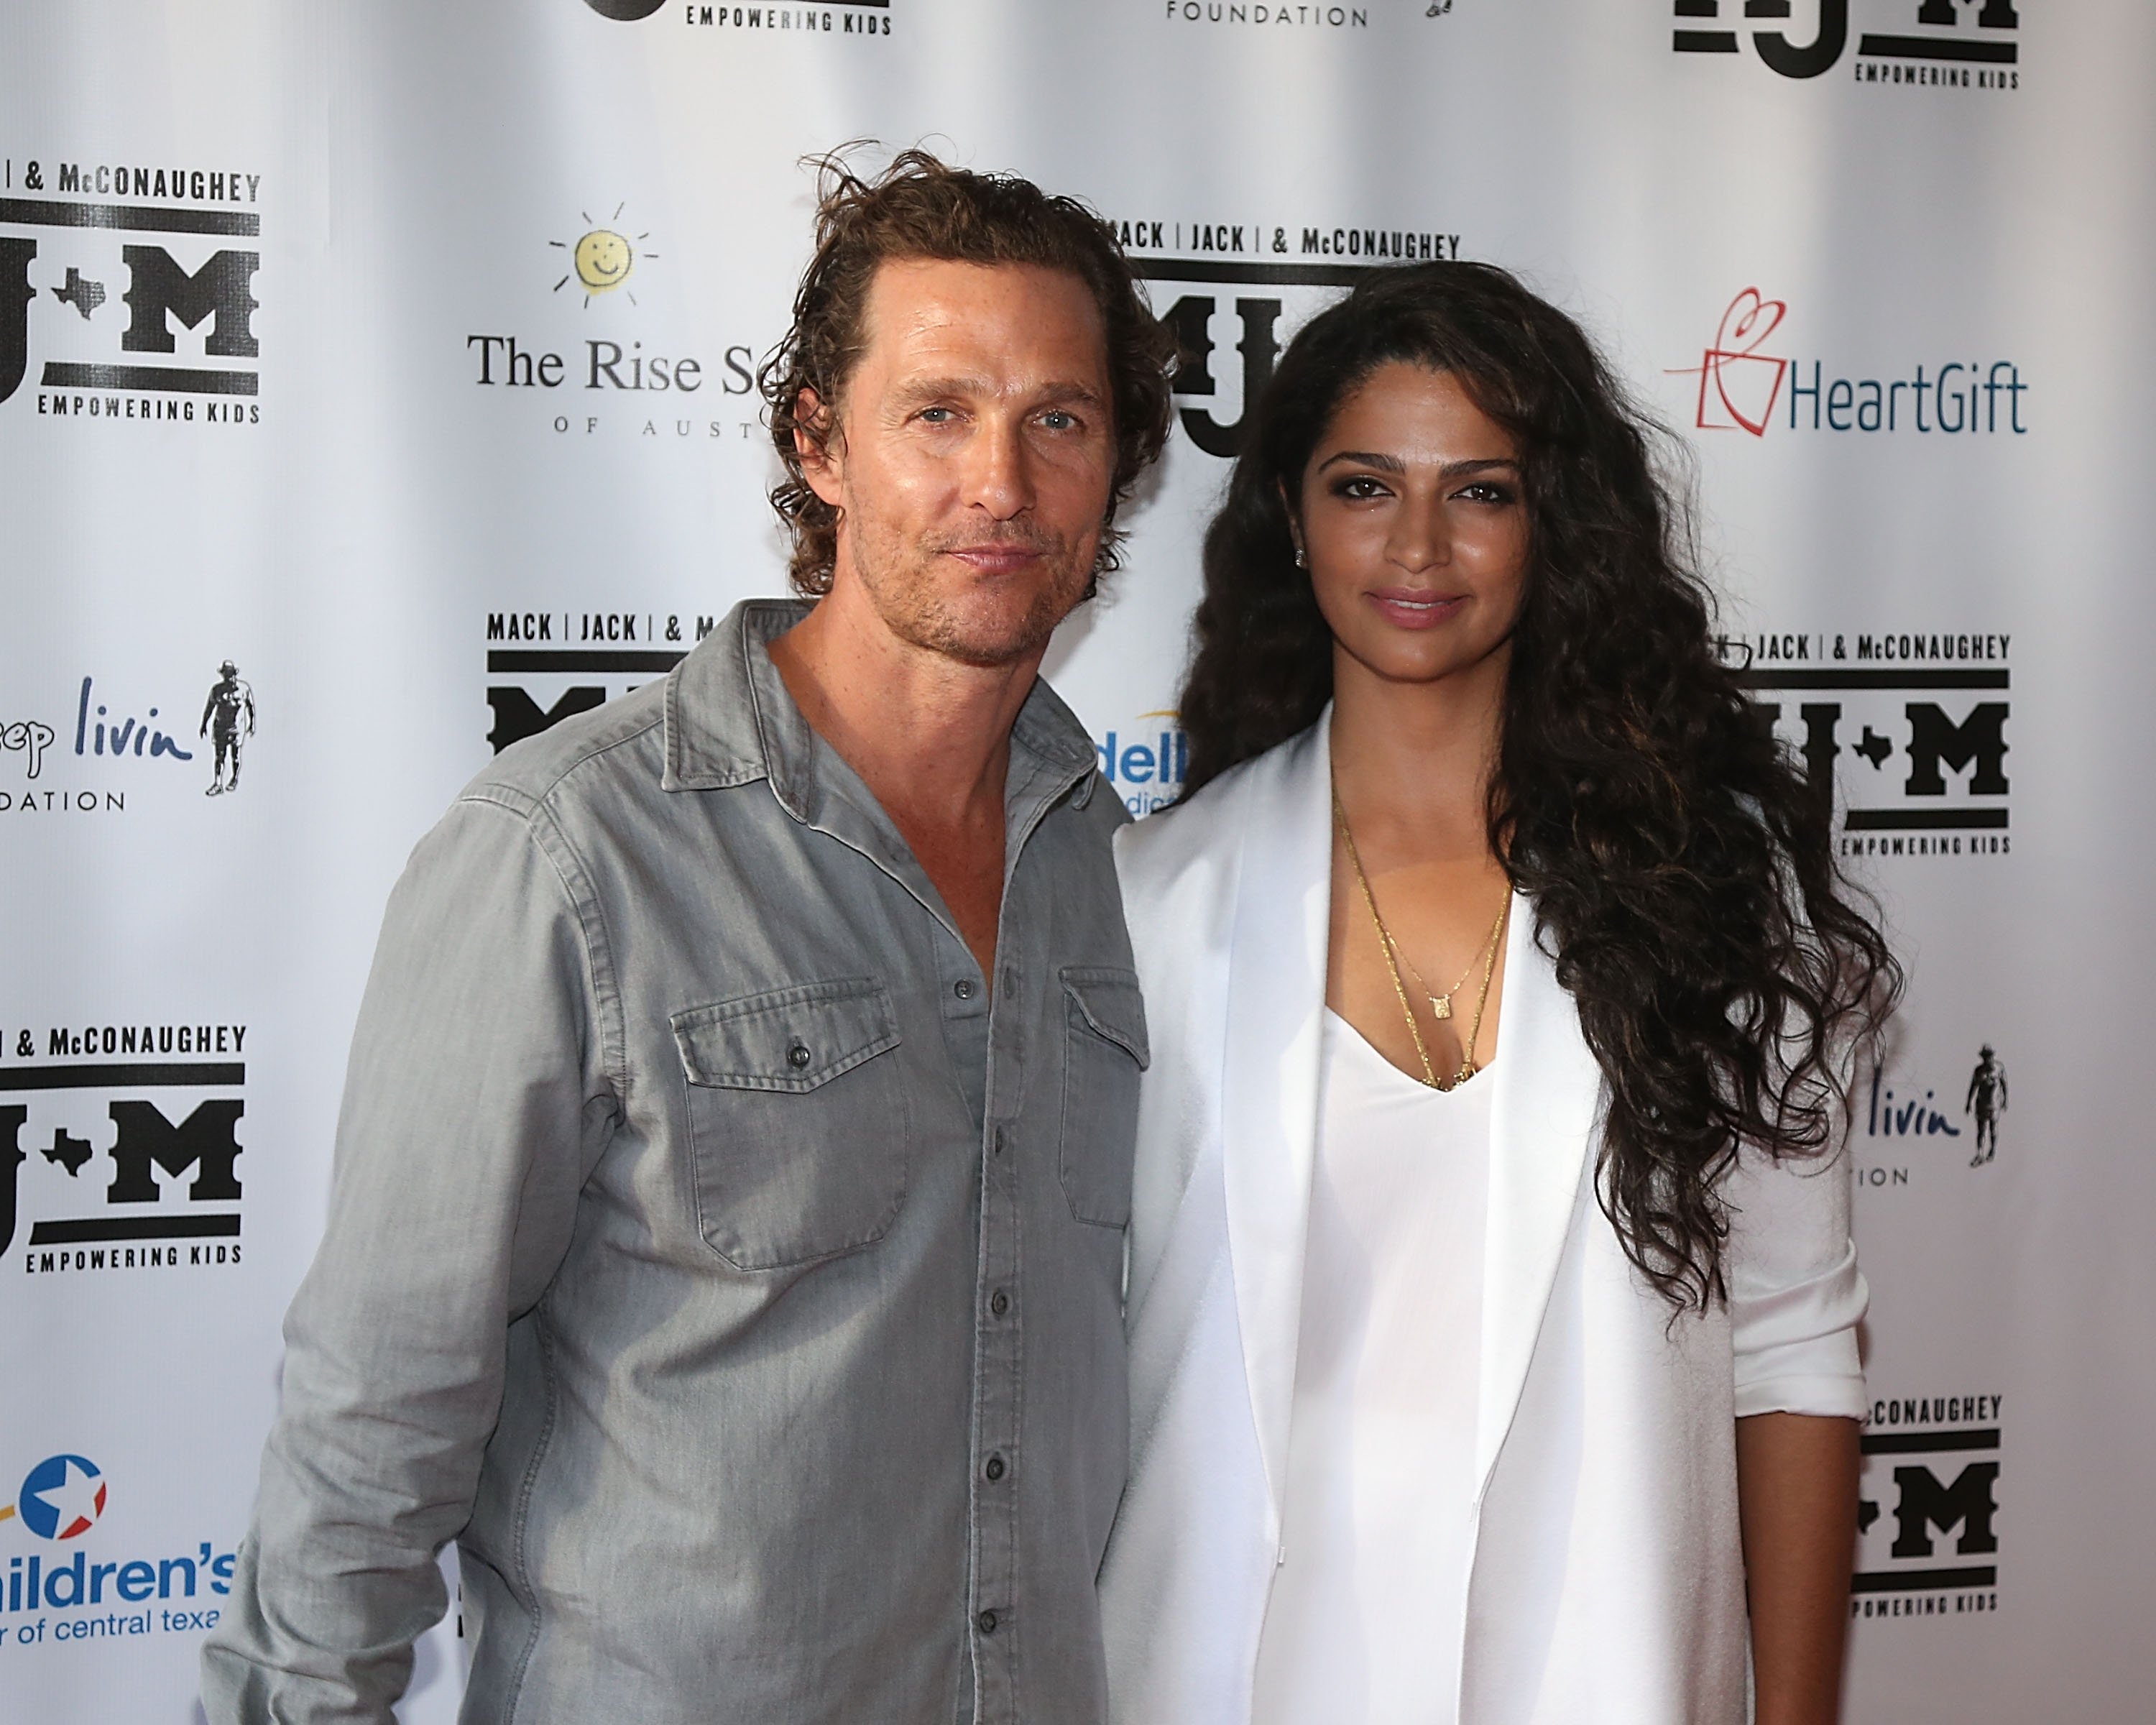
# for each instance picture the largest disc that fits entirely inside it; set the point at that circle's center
(61, 1499)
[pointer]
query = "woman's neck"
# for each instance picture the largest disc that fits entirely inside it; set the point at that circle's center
(1413, 760)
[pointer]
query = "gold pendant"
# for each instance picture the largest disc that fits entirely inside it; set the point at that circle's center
(1440, 1006)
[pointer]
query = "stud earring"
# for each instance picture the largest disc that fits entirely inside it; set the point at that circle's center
(1301, 559)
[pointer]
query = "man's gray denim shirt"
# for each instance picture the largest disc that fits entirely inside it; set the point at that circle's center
(712, 1255)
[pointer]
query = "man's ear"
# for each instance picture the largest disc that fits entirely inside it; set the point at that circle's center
(816, 441)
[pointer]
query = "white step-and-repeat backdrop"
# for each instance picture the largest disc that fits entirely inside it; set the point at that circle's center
(375, 389)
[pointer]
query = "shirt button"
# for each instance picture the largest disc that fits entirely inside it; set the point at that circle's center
(999, 1302)
(994, 1469)
(963, 988)
(987, 1620)
(798, 1056)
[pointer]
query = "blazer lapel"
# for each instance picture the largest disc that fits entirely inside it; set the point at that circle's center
(1543, 1120)
(1270, 1074)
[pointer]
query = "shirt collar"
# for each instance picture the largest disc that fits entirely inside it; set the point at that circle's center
(729, 720)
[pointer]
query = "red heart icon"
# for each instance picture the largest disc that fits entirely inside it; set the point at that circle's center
(1747, 322)
(1738, 385)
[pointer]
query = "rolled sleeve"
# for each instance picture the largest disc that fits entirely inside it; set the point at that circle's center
(476, 1099)
(1796, 1295)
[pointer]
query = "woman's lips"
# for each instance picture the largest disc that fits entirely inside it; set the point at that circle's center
(1405, 608)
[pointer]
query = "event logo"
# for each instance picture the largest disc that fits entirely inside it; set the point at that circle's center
(843, 18)
(1246, 287)
(1741, 380)
(1985, 1101)
(169, 1169)
(230, 711)
(584, 381)
(1928, 1542)
(183, 283)
(543, 666)
(1962, 44)
(87, 760)
(1738, 385)
(1279, 16)
(1915, 725)
(603, 259)
(62, 1498)
(1148, 764)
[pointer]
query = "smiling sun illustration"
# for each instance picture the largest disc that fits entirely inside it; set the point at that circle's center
(602, 259)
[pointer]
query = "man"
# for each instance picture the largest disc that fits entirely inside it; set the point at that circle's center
(726, 1242)
(231, 708)
(1986, 1097)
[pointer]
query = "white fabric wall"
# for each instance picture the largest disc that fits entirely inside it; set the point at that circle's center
(413, 177)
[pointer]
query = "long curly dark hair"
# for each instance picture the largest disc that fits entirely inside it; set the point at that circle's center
(1680, 862)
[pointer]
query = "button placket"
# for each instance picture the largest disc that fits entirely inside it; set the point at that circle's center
(999, 1352)
(999, 1357)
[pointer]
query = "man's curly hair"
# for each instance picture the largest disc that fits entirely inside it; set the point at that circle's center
(919, 207)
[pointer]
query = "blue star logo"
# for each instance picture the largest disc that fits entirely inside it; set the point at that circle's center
(61, 1498)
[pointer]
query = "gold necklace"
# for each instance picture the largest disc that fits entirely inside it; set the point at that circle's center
(1440, 1005)
(1387, 946)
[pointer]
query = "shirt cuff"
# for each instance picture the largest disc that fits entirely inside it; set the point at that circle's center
(1796, 1346)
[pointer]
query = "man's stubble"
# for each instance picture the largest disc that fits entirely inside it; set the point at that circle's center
(978, 620)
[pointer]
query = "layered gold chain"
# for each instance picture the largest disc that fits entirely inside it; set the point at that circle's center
(1394, 957)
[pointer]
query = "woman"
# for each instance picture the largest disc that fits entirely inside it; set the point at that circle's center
(1490, 1341)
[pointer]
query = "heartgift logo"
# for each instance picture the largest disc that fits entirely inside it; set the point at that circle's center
(1743, 383)
(1738, 385)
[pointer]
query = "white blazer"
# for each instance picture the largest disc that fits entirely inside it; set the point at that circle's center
(1607, 1583)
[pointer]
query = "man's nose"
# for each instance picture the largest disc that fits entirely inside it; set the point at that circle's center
(999, 477)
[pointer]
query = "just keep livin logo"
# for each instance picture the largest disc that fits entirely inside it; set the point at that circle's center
(104, 307)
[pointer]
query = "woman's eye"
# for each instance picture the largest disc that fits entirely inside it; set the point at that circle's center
(1485, 491)
(1360, 487)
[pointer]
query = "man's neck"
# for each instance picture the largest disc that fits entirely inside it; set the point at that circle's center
(928, 735)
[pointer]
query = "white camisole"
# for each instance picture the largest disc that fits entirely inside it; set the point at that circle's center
(1367, 1614)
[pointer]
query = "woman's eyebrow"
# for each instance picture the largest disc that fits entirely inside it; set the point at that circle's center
(1364, 457)
(1392, 464)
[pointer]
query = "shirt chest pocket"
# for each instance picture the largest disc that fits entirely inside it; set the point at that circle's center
(797, 1121)
(1104, 1050)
